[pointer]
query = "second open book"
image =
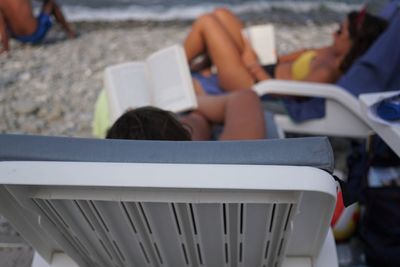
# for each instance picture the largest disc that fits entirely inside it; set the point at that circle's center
(262, 40)
(162, 80)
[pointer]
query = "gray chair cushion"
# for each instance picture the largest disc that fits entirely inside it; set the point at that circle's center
(311, 151)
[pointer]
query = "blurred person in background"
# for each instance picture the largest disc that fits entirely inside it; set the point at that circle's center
(17, 21)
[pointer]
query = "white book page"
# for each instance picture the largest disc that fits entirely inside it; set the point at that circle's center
(262, 39)
(127, 87)
(172, 87)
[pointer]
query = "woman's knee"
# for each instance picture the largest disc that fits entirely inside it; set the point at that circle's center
(205, 21)
(222, 11)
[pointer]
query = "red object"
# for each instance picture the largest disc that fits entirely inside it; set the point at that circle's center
(338, 209)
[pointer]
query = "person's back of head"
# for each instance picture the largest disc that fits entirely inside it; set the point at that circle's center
(364, 29)
(148, 123)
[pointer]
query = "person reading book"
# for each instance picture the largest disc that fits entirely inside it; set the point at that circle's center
(240, 112)
(218, 38)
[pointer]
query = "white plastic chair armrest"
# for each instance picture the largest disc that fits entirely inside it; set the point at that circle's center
(309, 89)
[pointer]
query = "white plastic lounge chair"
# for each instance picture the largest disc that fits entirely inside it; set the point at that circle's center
(149, 203)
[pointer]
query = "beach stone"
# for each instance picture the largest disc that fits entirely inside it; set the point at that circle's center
(24, 106)
(2, 110)
(25, 76)
(16, 257)
(7, 81)
(55, 113)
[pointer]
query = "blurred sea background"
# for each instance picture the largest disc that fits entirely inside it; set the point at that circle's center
(293, 11)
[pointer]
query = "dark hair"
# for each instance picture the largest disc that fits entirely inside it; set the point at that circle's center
(148, 123)
(364, 29)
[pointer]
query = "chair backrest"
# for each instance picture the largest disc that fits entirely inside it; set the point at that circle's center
(390, 10)
(145, 203)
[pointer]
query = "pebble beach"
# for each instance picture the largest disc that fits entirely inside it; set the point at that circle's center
(51, 89)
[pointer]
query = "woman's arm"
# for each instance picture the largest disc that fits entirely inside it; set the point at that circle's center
(250, 60)
(258, 72)
(240, 112)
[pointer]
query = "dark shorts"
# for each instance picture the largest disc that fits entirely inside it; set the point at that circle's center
(44, 24)
(208, 83)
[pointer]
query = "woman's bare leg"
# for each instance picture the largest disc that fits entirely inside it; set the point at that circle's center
(209, 35)
(234, 27)
(232, 24)
(240, 112)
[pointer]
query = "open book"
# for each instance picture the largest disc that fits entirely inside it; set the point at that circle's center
(162, 80)
(262, 40)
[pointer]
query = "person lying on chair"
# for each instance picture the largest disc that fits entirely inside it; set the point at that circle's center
(217, 37)
(18, 22)
(239, 112)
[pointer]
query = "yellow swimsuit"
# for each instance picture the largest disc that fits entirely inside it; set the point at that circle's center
(302, 65)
